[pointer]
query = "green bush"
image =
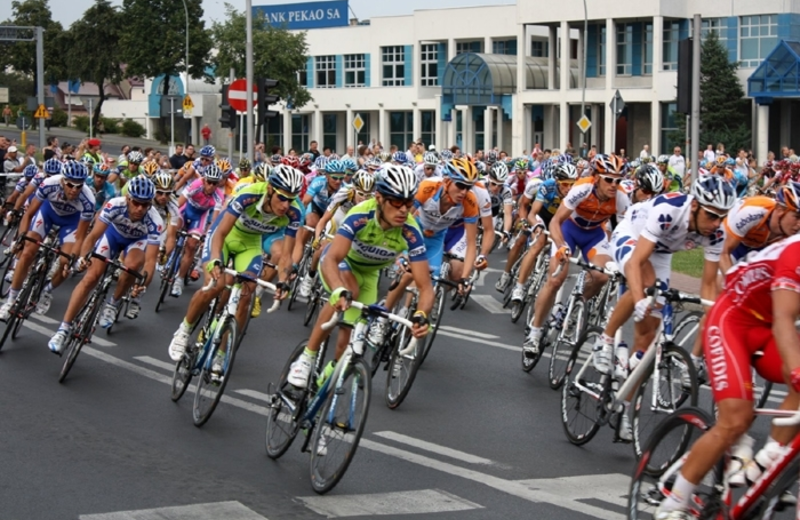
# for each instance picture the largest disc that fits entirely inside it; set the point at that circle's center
(110, 125)
(59, 118)
(131, 128)
(81, 123)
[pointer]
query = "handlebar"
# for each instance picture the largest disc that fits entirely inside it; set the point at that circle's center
(674, 295)
(583, 265)
(794, 420)
(42, 243)
(117, 265)
(245, 277)
(373, 310)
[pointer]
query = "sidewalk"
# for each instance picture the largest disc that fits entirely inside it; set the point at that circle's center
(684, 283)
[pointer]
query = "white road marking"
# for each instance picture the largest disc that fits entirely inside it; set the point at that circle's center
(490, 303)
(467, 331)
(479, 340)
(261, 396)
(49, 333)
(45, 319)
(156, 362)
(434, 448)
(601, 487)
(214, 511)
(426, 501)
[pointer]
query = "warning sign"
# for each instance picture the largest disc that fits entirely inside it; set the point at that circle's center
(187, 103)
(41, 113)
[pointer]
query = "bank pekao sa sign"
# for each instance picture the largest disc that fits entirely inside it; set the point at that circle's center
(308, 15)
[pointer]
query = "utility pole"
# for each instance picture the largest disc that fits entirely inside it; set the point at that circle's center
(231, 78)
(40, 79)
(695, 135)
(249, 66)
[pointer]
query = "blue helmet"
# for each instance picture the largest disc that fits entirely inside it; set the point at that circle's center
(399, 157)
(53, 166)
(350, 165)
(30, 171)
(547, 169)
(335, 166)
(141, 188)
(76, 171)
(208, 151)
(320, 162)
(446, 155)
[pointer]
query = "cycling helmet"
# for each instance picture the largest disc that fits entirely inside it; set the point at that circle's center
(333, 157)
(375, 163)
(334, 167)
(430, 159)
(491, 157)
(446, 155)
(565, 172)
(244, 165)
(582, 164)
(320, 162)
(135, 157)
(53, 166)
(287, 179)
(461, 170)
(290, 160)
(663, 159)
(88, 160)
(396, 181)
(499, 173)
(385, 157)
(788, 195)
(521, 163)
(208, 151)
(275, 159)
(608, 164)
(75, 171)
(350, 165)
(150, 168)
(650, 179)
(141, 188)
(224, 165)
(30, 171)
(399, 158)
(481, 167)
(102, 169)
(364, 181)
(646, 159)
(163, 181)
(262, 172)
(565, 158)
(634, 164)
(306, 160)
(713, 191)
(213, 173)
(547, 169)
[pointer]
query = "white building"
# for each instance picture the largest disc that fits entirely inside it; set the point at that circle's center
(450, 76)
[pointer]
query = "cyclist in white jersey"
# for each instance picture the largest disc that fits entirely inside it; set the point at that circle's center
(429, 167)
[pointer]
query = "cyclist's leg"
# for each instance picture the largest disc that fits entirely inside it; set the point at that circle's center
(67, 236)
(547, 296)
(537, 243)
(247, 258)
(201, 299)
(195, 223)
(272, 244)
(134, 260)
(39, 227)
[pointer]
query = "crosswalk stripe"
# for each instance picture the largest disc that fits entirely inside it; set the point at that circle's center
(426, 501)
(213, 511)
(434, 448)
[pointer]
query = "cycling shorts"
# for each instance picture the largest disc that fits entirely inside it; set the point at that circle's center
(367, 280)
(111, 244)
(731, 339)
(194, 220)
(434, 249)
(269, 239)
(741, 251)
(46, 218)
(592, 242)
(623, 246)
(245, 248)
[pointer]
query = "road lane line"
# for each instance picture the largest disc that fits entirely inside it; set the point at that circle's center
(609, 488)
(479, 340)
(490, 303)
(45, 319)
(425, 501)
(156, 363)
(49, 333)
(434, 448)
(261, 396)
(467, 331)
(212, 511)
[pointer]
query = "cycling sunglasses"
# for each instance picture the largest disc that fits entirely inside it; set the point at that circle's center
(161, 193)
(141, 203)
(399, 203)
(714, 215)
(73, 185)
(211, 183)
(612, 180)
(336, 176)
(462, 186)
(284, 196)
(364, 194)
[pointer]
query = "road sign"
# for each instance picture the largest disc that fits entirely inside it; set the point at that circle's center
(187, 103)
(584, 124)
(23, 122)
(3, 94)
(358, 123)
(41, 113)
(237, 95)
(617, 104)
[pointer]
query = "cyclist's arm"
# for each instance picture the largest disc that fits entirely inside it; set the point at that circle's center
(33, 207)
(523, 206)
(29, 189)
(508, 217)
(94, 235)
(181, 201)
(558, 219)
(188, 175)
(80, 233)
(337, 251)
(730, 245)
(285, 264)
(633, 271)
(471, 229)
(785, 310)
(307, 199)
(488, 240)
(323, 221)
(708, 283)
(535, 210)
(150, 260)
(421, 273)
(219, 235)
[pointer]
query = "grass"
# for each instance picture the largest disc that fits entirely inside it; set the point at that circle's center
(689, 262)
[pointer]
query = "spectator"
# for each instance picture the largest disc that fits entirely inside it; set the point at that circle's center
(570, 150)
(720, 149)
(584, 150)
(189, 153)
(11, 164)
(67, 150)
(644, 154)
(123, 156)
(177, 161)
(30, 155)
(259, 155)
(313, 149)
(709, 155)
(349, 154)
(51, 150)
(206, 133)
(277, 150)
(677, 162)
(4, 144)
(770, 156)
(624, 155)
(592, 152)
(7, 114)
(92, 150)
(326, 151)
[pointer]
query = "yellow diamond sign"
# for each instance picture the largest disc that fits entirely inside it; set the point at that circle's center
(584, 124)
(358, 123)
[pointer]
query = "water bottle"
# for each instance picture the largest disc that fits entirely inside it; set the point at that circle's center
(621, 360)
(634, 361)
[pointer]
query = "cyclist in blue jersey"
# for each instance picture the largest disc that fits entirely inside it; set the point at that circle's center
(102, 189)
(316, 200)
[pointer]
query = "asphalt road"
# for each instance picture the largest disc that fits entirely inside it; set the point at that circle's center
(476, 438)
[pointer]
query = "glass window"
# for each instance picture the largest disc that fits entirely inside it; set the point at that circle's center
(394, 73)
(302, 77)
(428, 133)
(329, 131)
(601, 51)
(647, 52)
(429, 65)
(539, 49)
(504, 47)
(669, 126)
(471, 46)
(325, 67)
(299, 133)
(624, 49)
(671, 37)
(401, 129)
(354, 70)
(758, 35)
(478, 126)
(719, 26)
(273, 133)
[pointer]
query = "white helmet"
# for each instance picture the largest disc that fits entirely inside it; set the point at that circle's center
(287, 179)
(397, 181)
(499, 172)
(713, 191)
(430, 159)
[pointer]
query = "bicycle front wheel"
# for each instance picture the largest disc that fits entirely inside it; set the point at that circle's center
(435, 319)
(403, 366)
(282, 424)
(667, 387)
(210, 386)
(686, 330)
(564, 343)
(340, 427)
(312, 306)
(83, 331)
(584, 392)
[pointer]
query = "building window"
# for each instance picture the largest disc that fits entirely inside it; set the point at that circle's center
(394, 66)
(671, 38)
(354, 70)
(758, 36)
(472, 46)
(273, 133)
(401, 129)
(601, 51)
(719, 26)
(329, 131)
(325, 67)
(624, 49)
(299, 133)
(428, 131)
(508, 47)
(302, 77)
(669, 126)
(429, 65)
(647, 54)
(363, 136)
(539, 49)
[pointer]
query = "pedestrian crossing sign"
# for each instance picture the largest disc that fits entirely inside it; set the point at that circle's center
(41, 113)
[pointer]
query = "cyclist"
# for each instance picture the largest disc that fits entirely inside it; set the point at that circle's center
(149, 169)
(372, 236)
(128, 225)
(430, 167)
(64, 201)
(580, 223)
(28, 173)
(672, 180)
(502, 199)
(245, 169)
(193, 171)
(455, 241)
(260, 174)
(238, 233)
(201, 197)
(756, 314)
(102, 189)
(316, 200)
(127, 169)
(166, 205)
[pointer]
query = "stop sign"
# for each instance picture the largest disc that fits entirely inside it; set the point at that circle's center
(237, 95)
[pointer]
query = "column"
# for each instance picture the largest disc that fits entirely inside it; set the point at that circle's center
(762, 136)
(564, 83)
(416, 121)
(552, 43)
(383, 131)
(194, 128)
(595, 132)
(349, 131)
(451, 49)
(487, 45)
(656, 146)
(611, 55)
(316, 128)
(658, 46)
(438, 134)
(451, 129)
(488, 128)
(522, 79)
(581, 71)
(467, 130)
(287, 130)
(500, 127)
(563, 126)
(549, 137)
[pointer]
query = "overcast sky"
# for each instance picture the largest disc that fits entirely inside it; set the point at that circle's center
(68, 11)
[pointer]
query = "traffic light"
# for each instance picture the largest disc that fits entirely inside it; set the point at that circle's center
(265, 99)
(228, 115)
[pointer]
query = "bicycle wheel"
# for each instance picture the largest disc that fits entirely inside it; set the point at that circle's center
(584, 394)
(83, 332)
(302, 269)
(673, 385)
(436, 318)
(660, 464)
(182, 375)
(312, 304)
(403, 366)
(282, 425)
(686, 330)
(209, 389)
(15, 317)
(5, 284)
(166, 283)
(9, 234)
(763, 395)
(770, 505)
(340, 427)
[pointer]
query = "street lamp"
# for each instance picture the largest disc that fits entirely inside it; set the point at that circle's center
(186, 10)
(585, 46)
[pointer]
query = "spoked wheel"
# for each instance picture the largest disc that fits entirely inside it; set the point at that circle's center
(282, 426)
(436, 318)
(9, 234)
(10, 325)
(166, 284)
(661, 462)
(84, 329)
(584, 392)
(686, 330)
(528, 363)
(403, 366)
(294, 286)
(312, 305)
(562, 347)
(5, 283)
(210, 387)
(673, 385)
(340, 426)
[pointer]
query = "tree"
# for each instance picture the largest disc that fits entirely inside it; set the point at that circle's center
(90, 36)
(277, 53)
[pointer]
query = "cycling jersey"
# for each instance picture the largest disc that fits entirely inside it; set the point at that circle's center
(124, 233)
(588, 211)
(169, 213)
(243, 183)
(419, 171)
(51, 192)
(247, 207)
(428, 203)
(320, 194)
(201, 201)
(125, 172)
(106, 193)
(484, 199)
(23, 183)
(547, 193)
(500, 199)
(748, 221)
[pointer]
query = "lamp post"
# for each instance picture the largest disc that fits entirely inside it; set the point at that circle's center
(186, 10)
(583, 65)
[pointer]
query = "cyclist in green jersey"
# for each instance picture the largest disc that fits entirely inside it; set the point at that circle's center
(371, 237)
(672, 180)
(127, 170)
